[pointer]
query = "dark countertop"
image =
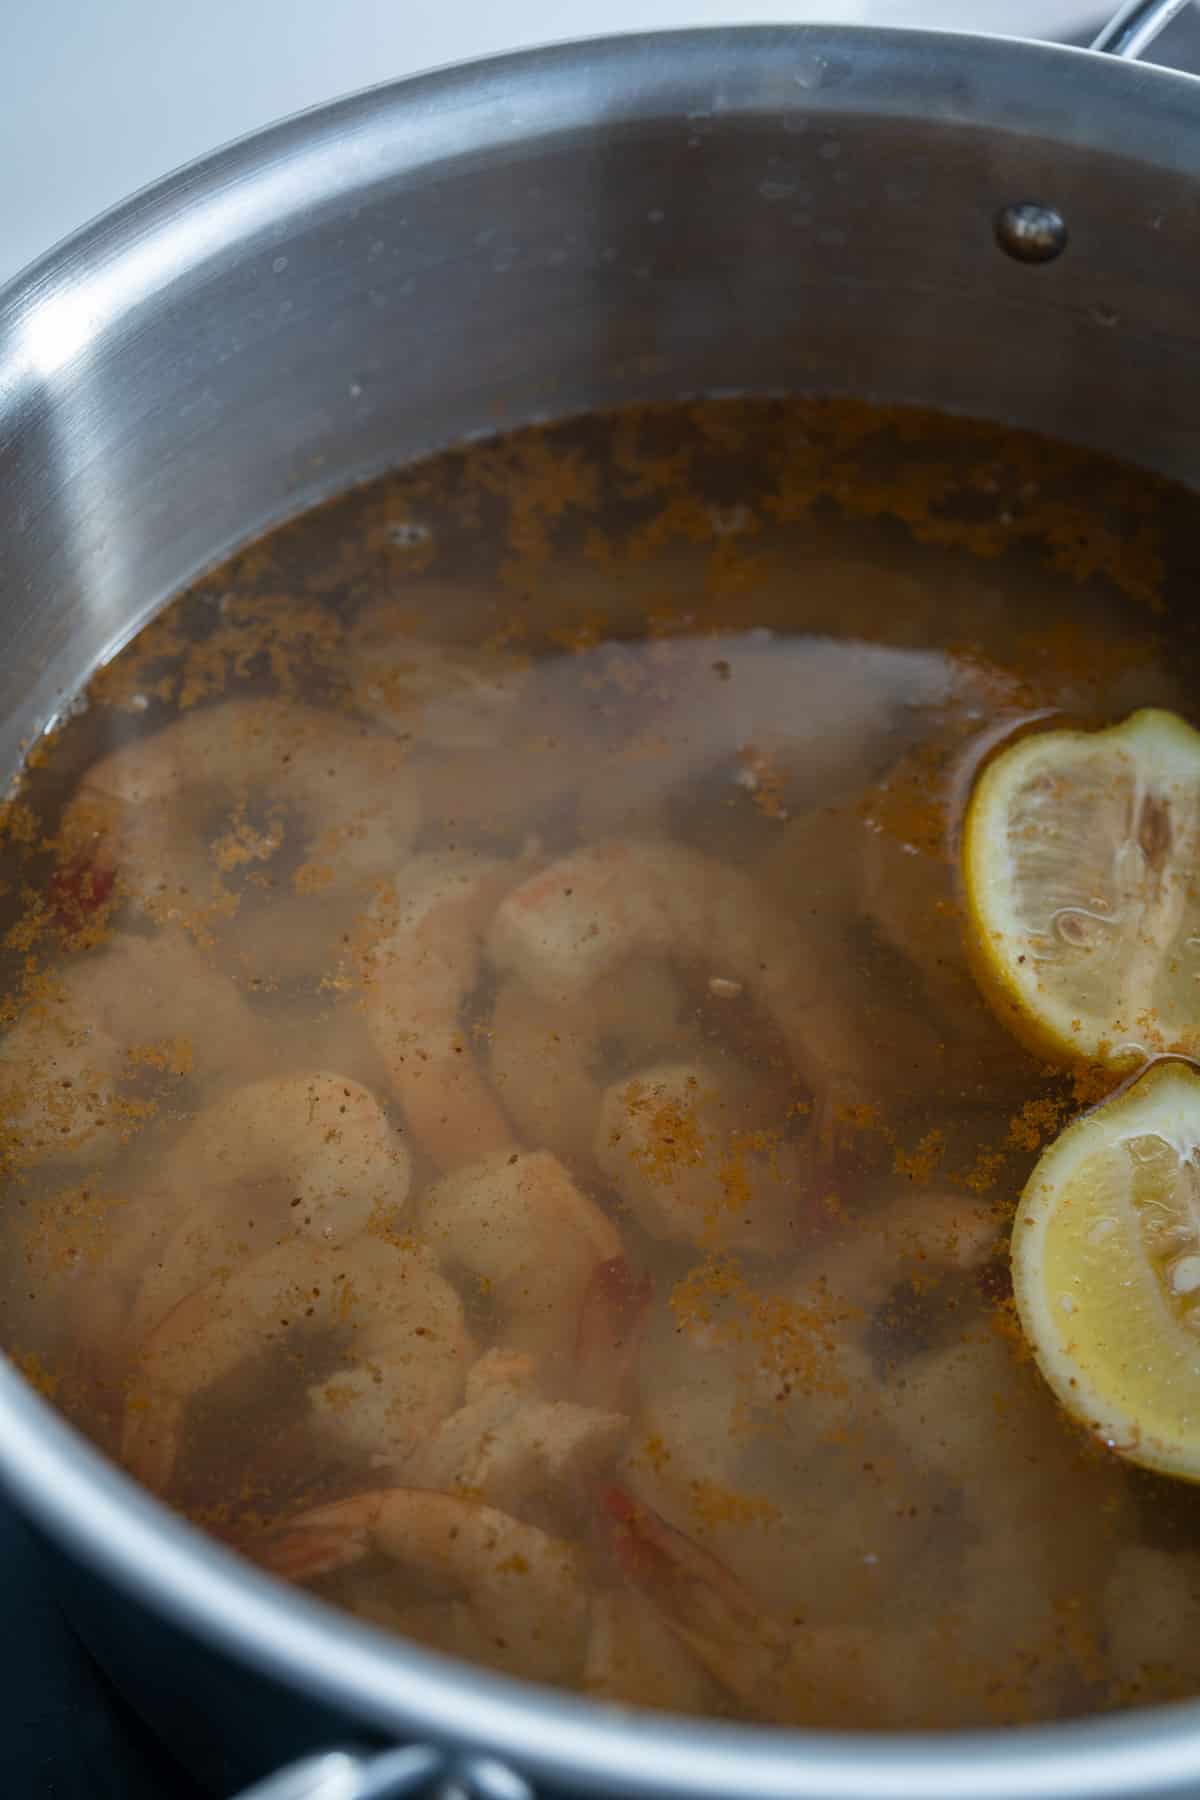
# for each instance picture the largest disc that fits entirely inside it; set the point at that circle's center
(65, 1733)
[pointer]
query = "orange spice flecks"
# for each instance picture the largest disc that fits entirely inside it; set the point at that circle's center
(760, 776)
(715, 1505)
(1035, 1124)
(919, 1163)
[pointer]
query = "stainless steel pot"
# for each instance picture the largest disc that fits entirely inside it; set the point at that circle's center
(993, 227)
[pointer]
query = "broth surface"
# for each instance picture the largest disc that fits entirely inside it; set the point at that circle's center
(498, 1121)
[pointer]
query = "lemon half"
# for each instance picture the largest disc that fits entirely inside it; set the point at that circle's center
(1106, 1270)
(1080, 857)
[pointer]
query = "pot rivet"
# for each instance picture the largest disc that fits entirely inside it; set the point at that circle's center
(1031, 233)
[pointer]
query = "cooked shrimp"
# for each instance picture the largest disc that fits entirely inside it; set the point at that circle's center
(548, 1059)
(516, 1224)
(635, 1659)
(947, 1404)
(679, 1143)
(509, 1372)
(759, 1490)
(817, 1372)
(477, 796)
(507, 1445)
(524, 1590)
(454, 696)
(309, 1155)
(302, 940)
(566, 928)
(608, 1339)
(781, 1673)
(148, 807)
(695, 1450)
(763, 1428)
(741, 1647)
(418, 973)
(406, 1347)
(101, 1021)
(915, 1234)
(1028, 1591)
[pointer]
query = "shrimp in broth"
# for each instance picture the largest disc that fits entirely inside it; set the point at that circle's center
(498, 1120)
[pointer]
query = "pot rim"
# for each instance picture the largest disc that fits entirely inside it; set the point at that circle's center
(68, 1487)
(249, 182)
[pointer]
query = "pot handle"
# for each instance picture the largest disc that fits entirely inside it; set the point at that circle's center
(414, 1770)
(342, 1775)
(1134, 28)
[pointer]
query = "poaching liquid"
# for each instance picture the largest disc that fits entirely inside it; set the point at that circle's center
(498, 1121)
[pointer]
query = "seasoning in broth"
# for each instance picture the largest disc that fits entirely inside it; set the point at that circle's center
(499, 1121)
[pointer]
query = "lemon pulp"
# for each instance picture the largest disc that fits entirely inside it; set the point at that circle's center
(1080, 852)
(1106, 1269)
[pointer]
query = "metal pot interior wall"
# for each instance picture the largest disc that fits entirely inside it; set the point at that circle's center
(755, 211)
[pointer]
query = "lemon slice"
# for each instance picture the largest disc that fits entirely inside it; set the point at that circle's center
(1106, 1270)
(1081, 852)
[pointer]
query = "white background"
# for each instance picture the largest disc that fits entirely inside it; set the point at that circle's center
(98, 97)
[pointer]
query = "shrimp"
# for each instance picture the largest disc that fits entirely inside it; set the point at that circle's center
(913, 1235)
(817, 1371)
(702, 1604)
(635, 1659)
(678, 1143)
(1026, 1585)
(509, 1446)
(143, 808)
(759, 1492)
(295, 939)
(779, 1672)
(524, 1591)
(308, 1155)
(947, 1404)
(406, 1347)
(452, 696)
(472, 795)
(567, 928)
(608, 1340)
(1027, 1591)
(573, 924)
(516, 1224)
(763, 1427)
(96, 1025)
(418, 972)
(547, 1058)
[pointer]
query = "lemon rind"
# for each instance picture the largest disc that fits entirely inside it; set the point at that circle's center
(1168, 1094)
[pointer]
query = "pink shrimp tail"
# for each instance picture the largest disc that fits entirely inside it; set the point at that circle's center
(698, 1599)
(305, 1552)
(687, 1581)
(632, 1542)
(611, 1321)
